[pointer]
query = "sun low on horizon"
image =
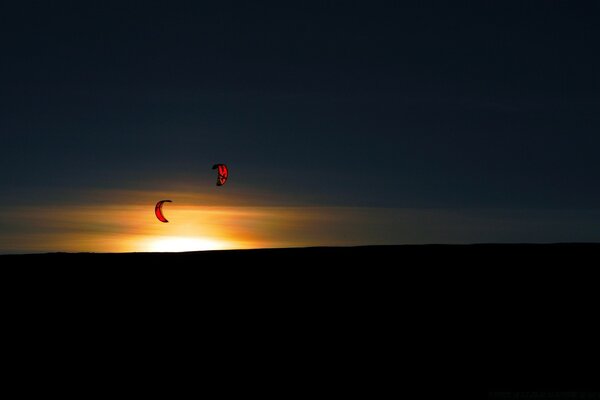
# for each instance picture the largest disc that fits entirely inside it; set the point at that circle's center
(198, 223)
(134, 227)
(182, 243)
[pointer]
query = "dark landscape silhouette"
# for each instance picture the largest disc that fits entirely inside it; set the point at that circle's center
(485, 254)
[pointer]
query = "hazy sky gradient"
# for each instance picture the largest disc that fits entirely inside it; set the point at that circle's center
(109, 221)
(358, 105)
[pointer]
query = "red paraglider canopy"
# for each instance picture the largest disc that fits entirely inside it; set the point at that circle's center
(158, 210)
(223, 173)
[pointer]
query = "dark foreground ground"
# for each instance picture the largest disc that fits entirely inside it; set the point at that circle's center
(424, 322)
(319, 256)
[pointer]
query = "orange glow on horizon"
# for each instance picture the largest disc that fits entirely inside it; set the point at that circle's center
(179, 244)
(133, 228)
(129, 224)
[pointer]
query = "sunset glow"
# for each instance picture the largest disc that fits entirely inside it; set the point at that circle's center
(179, 244)
(117, 221)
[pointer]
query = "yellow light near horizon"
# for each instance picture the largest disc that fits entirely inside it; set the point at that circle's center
(180, 244)
(133, 227)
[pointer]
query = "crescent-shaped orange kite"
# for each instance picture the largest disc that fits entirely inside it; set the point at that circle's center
(158, 210)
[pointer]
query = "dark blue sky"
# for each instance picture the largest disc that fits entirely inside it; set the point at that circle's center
(397, 104)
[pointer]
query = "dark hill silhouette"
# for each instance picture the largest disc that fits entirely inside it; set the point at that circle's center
(489, 252)
(434, 321)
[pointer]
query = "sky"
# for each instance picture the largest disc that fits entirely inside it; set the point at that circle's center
(342, 123)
